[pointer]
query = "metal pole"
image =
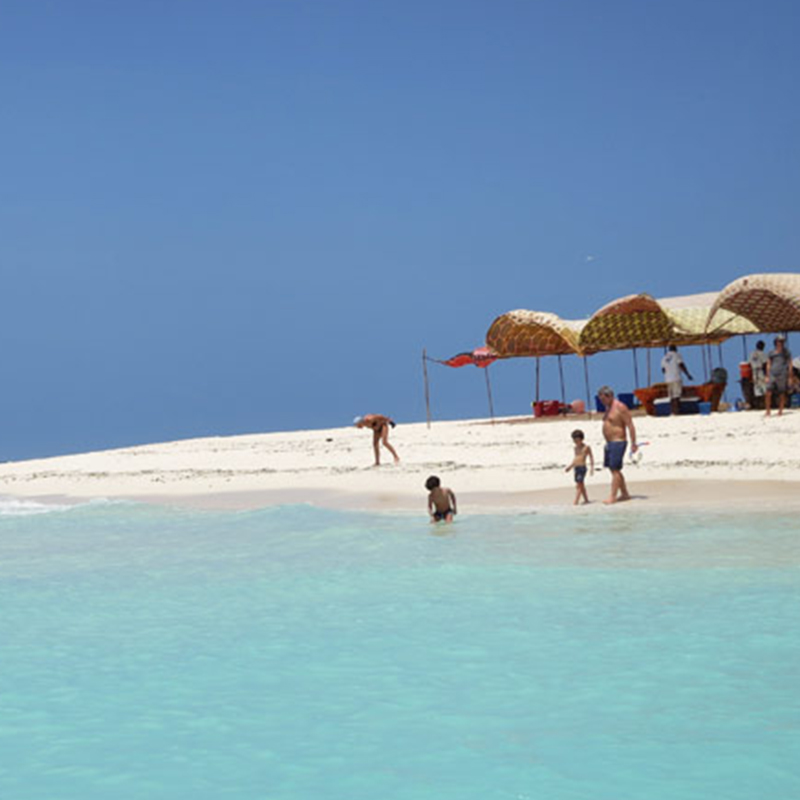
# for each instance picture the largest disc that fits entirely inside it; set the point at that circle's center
(588, 391)
(649, 375)
(489, 393)
(427, 385)
(635, 370)
(561, 375)
(744, 347)
(538, 369)
(705, 367)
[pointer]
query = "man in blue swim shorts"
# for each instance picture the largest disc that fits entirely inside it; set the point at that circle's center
(617, 423)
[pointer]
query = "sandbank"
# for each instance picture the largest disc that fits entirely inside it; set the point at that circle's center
(723, 461)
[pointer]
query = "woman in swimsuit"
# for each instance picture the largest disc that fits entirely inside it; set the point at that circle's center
(380, 433)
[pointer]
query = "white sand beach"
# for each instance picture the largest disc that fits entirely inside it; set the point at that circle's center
(726, 460)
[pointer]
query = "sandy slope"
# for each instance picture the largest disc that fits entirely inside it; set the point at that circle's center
(725, 459)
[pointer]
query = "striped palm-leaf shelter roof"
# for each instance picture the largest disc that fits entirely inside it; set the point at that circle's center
(637, 320)
(533, 333)
(640, 320)
(770, 302)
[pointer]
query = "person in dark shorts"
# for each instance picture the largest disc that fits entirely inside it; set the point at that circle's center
(441, 501)
(780, 376)
(583, 453)
(617, 424)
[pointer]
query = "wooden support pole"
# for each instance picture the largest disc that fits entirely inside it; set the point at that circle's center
(427, 385)
(489, 394)
(589, 408)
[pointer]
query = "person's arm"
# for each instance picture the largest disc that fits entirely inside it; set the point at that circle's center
(686, 371)
(571, 465)
(430, 504)
(452, 501)
(627, 420)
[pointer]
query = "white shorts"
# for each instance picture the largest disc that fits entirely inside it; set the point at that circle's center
(674, 390)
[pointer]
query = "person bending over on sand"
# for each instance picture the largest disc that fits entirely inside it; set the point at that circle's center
(582, 453)
(380, 433)
(779, 375)
(617, 423)
(441, 501)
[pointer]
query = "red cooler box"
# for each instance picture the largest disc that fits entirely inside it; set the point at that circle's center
(546, 408)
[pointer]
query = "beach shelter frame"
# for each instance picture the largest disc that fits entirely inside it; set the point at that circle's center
(534, 334)
(630, 322)
(480, 357)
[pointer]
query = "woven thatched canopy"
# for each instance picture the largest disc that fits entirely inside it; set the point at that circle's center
(640, 320)
(749, 305)
(770, 302)
(533, 333)
(633, 321)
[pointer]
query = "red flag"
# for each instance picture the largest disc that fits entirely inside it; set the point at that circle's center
(480, 357)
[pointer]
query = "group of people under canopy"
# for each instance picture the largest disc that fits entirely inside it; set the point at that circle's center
(753, 304)
(767, 375)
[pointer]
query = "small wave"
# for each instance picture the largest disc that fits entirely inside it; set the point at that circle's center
(14, 507)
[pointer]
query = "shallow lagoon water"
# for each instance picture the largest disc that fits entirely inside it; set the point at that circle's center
(298, 653)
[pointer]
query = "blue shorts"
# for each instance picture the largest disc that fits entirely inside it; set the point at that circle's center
(580, 474)
(614, 455)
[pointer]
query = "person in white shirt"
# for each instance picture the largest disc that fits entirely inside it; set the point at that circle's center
(672, 365)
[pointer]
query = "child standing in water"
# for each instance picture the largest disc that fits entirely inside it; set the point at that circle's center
(441, 501)
(582, 453)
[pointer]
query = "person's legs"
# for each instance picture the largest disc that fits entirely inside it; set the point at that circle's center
(613, 460)
(781, 402)
(675, 406)
(583, 492)
(619, 489)
(768, 402)
(612, 498)
(376, 440)
(385, 438)
(623, 488)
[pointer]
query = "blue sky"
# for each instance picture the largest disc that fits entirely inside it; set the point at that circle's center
(230, 217)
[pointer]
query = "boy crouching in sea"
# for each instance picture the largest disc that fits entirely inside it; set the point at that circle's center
(582, 453)
(441, 501)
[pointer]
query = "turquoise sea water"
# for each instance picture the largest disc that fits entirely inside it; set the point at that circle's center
(299, 653)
